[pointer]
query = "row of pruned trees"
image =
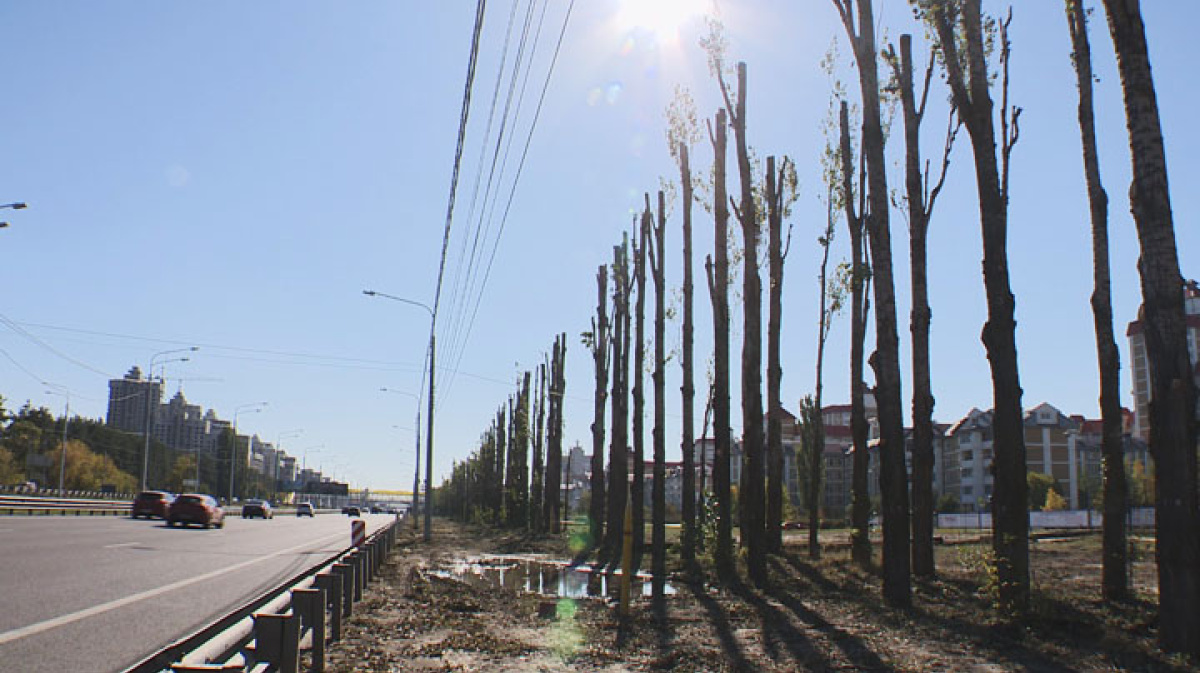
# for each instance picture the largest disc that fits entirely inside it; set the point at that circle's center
(500, 483)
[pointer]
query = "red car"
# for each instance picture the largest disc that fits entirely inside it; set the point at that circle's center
(198, 509)
(152, 504)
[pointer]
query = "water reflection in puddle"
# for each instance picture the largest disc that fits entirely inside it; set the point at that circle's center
(547, 578)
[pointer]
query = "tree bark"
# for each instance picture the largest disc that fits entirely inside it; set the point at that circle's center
(600, 352)
(718, 286)
(637, 488)
(750, 495)
(688, 389)
(775, 480)
(972, 97)
(537, 486)
(558, 384)
(657, 254)
(1173, 393)
(860, 513)
(893, 478)
(1114, 576)
(618, 457)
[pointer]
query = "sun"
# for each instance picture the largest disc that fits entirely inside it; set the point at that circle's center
(662, 18)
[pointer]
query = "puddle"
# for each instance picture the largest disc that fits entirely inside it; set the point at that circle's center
(548, 578)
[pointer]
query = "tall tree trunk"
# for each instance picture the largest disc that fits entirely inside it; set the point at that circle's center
(750, 496)
(1114, 576)
(1172, 387)
(775, 254)
(558, 385)
(618, 457)
(601, 345)
(658, 545)
(972, 97)
(688, 389)
(637, 489)
(717, 268)
(702, 513)
(537, 515)
(860, 513)
(816, 421)
(499, 472)
(919, 212)
(893, 477)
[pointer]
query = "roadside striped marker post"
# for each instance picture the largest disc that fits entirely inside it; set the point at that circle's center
(358, 532)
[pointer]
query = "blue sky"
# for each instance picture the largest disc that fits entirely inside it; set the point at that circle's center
(233, 175)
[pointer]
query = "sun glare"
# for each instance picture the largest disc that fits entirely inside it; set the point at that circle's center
(662, 18)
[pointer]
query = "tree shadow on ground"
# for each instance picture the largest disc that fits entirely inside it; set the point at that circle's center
(720, 623)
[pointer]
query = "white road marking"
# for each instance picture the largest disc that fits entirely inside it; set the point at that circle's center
(17, 634)
(121, 544)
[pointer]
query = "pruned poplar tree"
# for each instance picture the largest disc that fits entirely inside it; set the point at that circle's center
(618, 456)
(893, 478)
(811, 468)
(537, 482)
(657, 259)
(518, 516)
(558, 384)
(1172, 387)
(637, 487)
(960, 31)
(683, 131)
(600, 344)
(776, 203)
(500, 456)
(920, 197)
(860, 302)
(717, 269)
(1114, 576)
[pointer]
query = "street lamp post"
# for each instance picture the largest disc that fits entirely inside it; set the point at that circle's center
(62, 463)
(250, 409)
(429, 430)
(149, 407)
(416, 495)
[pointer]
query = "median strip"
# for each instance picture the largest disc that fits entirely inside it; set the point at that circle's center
(32, 629)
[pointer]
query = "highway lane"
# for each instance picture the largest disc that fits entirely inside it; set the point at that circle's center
(100, 593)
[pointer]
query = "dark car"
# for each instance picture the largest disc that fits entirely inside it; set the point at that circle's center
(377, 509)
(257, 508)
(152, 504)
(304, 509)
(351, 510)
(196, 508)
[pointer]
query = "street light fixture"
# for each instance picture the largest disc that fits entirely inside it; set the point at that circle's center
(416, 493)
(429, 430)
(149, 402)
(252, 408)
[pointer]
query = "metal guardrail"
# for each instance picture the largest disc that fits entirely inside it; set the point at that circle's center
(286, 627)
(16, 504)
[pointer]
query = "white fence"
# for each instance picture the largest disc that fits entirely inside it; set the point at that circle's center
(1072, 518)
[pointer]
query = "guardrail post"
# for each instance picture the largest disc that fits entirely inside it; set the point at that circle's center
(360, 575)
(345, 571)
(332, 585)
(277, 640)
(310, 603)
(370, 553)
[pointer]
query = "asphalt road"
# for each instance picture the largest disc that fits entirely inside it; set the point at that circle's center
(101, 593)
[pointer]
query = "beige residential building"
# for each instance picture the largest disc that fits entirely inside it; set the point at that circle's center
(1140, 366)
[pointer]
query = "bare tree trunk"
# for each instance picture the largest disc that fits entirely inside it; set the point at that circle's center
(776, 254)
(860, 513)
(1114, 577)
(618, 457)
(537, 487)
(637, 489)
(1173, 392)
(972, 97)
(600, 351)
(920, 207)
(750, 496)
(658, 545)
(558, 384)
(702, 514)
(688, 389)
(893, 477)
(816, 421)
(718, 287)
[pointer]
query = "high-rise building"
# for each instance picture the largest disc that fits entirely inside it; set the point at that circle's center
(1141, 366)
(131, 400)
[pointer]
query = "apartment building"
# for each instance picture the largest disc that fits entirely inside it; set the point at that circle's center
(1140, 366)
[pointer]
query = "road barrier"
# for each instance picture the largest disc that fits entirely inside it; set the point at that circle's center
(15, 504)
(286, 628)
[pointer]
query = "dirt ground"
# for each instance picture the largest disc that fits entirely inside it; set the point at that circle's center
(822, 616)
